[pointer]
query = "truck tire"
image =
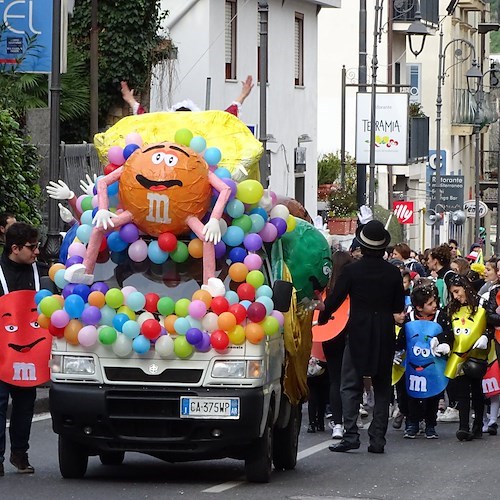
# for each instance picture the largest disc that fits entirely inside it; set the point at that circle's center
(286, 441)
(73, 459)
(259, 461)
(112, 457)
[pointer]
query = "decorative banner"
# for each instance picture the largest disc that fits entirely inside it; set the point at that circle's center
(391, 129)
(403, 211)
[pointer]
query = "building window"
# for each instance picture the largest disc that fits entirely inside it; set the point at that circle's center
(299, 49)
(414, 79)
(230, 47)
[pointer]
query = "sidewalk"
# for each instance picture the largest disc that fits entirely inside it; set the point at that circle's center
(41, 403)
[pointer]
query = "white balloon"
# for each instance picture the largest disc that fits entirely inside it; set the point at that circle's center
(164, 346)
(280, 211)
(209, 322)
(223, 226)
(122, 346)
(143, 317)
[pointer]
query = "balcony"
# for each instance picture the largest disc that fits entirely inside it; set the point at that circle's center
(464, 108)
(404, 11)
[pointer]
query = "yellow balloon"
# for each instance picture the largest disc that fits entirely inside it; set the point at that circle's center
(249, 191)
(290, 223)
(237, 335)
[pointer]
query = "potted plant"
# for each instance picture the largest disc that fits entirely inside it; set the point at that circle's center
(328, 173)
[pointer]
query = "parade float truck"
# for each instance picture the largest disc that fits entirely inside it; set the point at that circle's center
(173, 343)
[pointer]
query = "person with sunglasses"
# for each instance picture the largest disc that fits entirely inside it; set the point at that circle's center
(19, 271)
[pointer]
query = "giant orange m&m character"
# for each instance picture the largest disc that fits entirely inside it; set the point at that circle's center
(163, 187)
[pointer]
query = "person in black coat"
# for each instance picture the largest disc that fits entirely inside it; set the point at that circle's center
(376, 291)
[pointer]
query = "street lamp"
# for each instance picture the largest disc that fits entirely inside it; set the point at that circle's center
(417, 29)
(474, 77)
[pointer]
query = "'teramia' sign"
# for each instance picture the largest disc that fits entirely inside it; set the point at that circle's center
(391, 128)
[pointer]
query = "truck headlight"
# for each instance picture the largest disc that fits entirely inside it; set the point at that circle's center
(237, 369)
(78, 365)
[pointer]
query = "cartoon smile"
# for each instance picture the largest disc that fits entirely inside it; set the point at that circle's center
(25, 348)
(157, 185)
(419, 368)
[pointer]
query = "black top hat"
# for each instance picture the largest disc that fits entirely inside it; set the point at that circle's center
(373, 235)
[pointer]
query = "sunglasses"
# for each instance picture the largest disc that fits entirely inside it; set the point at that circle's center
(32, 246)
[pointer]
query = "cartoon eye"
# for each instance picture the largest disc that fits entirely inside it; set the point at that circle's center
(157, 158)
(327, 270)
(416, 350)
(458, 331)
(11, 328)
(466, 331)
(426, 352)
(171, 160)
(34, 324)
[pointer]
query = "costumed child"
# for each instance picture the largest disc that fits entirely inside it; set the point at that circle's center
(317, 382)
(467, 363)
(426, 336)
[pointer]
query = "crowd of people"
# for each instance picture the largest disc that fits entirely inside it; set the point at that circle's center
(418, 342)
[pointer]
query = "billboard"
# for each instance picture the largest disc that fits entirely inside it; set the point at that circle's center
(391, 128)
(25, 19)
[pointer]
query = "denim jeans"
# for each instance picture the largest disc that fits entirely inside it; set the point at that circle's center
(23, 403)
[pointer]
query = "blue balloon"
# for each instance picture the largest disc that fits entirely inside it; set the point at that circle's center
(113, 189)
(59, 279)
(222, 173)
(94, 212)
(232, 297)
(156, 254)
(246, 303)
(182, 325)
(141, 344)
(119, 320)
(136, 301)
(234, 236)
(212, 156)
(66, 242)
(83, 291)
(107, 315)
(258, 223)
(198, 144)
(74, 305)
(267, 302)
(115, 243)
(261, 212)
(131, 329)
(235, 208)
(264, 291)
(129, 149)
(83, 232)
(87, 216)
(237, 254)
(41, 294)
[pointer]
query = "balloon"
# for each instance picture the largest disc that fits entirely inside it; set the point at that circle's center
(223, 226)
(52, 272)
(182, 325)
(255, 278)
(244, 222)
(136, 301)
(96, 299)
(99, 287)
(212, 156)
(182, 307)
(68, 289)
(119, 320)
(238, 272)
(107, 315)
(115, 242)
(87, 336)
(182, 347)
(107, 335)
(254, 333)
(232, 297)
(279, 317)
(71, 331)
(195, 248)
(291, 223)
(204, 296)
(232, 186)
(156, 254)
(43, 321)
(138, 251)
(246, 291)
(129, 149)
(237, 254)
(151, 329)
(91, 315)
(144, 317)
(152, 302)
(167, 242)
(131, 329)
(169, 323)
(83, 291)
(115, 155)
(165, 306)
(280, 211)
(181, 253)
(235, 208)
(227, 321)
(219, 305)
(234, 236)
(76, 259)
(114, 298)
(59, 279)
(87, 203)
(260, 211)
(194, 336)
(164, 346)
(219, 340)
(110, 167)
(183, 136)
(237, 335)
(59, 318)
(204, 344)
(122, 346)
(41, 294)
(238, 311)
(74, 305)
(222, 173)
(253, 262)
(56, 332)
(209, 322)
(249, 191)
(258, 222)
(127, 311)
(129, 233)
(280, 225)
(269, 233)
(252, 242)
(220, 250)
(198, 144)
(197, 309)
(256, 312)
(141, 344)
(267, 303)
(270, 325)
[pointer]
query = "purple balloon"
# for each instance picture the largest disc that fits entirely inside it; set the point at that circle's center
(194, 336)
(269, 233)
(129, 232)
(99, 287)
(76, 259)
(91, 315)
(68, 289)
(83, 291)
(220, 251)
(204, 345)
(232, 185)
(253, 242)
(280, 225)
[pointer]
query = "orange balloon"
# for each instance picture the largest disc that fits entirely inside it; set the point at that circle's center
(71, 331)
(169, 323)
(163, 185)
(54, 268)
(96, 299)
(226, 321)
(59, 298)
(43, 321)
(195, 248)
(254, 333)
(238, 272)
(204, 296)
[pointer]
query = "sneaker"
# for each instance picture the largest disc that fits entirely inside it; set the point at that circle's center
(338, 431)
(464, 435)
(21, 463)
(362, 412)
(430, 433)
(369, 398)
(398, 421)
(449, 415)
(410, 433)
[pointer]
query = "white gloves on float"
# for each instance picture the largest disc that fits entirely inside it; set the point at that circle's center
(481, 342)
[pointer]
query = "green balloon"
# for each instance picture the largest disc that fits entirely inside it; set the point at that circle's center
(87, 203)
(183, 136)
(181, 253)
(107, 335)
(181, 307)
(271, 325)
(166, 306)
(255, 278)
(182, 347)
(245, 222)
(49, 305)
(114, 298)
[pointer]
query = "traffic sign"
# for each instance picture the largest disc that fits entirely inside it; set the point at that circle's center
(470, 208)
(451, 193)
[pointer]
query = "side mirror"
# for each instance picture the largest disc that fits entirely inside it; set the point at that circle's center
(282, 295)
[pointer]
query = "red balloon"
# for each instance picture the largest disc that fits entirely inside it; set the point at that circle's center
(152, 302)
(104, 245)
(246, 291)
(57, 332)
(256, 312)
(219, 340)
(103, 257)
(239, 311)
(151, 329)
(109, 168)
(219, 305)
(167, 242)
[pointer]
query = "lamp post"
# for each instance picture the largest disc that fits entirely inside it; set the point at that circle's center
(473, 74)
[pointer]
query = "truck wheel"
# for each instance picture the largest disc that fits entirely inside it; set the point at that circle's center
(286, 441)
(73, 459)
(258, 464)
(112, 457)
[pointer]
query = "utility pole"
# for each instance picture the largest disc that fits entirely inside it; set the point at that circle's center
(263, 10)
(361, 169)
(94, 70)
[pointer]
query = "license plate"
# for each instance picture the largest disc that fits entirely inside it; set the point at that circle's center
(210, 407)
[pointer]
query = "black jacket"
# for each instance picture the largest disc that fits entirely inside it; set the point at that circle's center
(20, 276)
(376, 291)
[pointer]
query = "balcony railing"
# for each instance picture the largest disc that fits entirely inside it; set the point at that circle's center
(464, 108)
(404, 10)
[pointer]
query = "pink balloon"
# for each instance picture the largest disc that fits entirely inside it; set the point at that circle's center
(274, 197)
(197, 309)
(133, 138)
(60, 318)
(87, 336)
(79, 202)
(127, 290)
(95, 202)
(77, 248)
(269, 233)
(115, 155)
(138, 251)
(253, 261)
(279, 316)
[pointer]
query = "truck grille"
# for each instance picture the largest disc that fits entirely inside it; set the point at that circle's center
(170, 375)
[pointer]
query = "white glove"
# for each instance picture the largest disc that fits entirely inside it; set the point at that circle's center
(365, 214)
(215, 287)
(212, 231)
(88, 187)
(240, 174)
(103, 218)
(442, 350)
(59, 190)
(76, 274)
(65, 214)
(398, 357)
(434, 343)
(266, 201)
(481, 342)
